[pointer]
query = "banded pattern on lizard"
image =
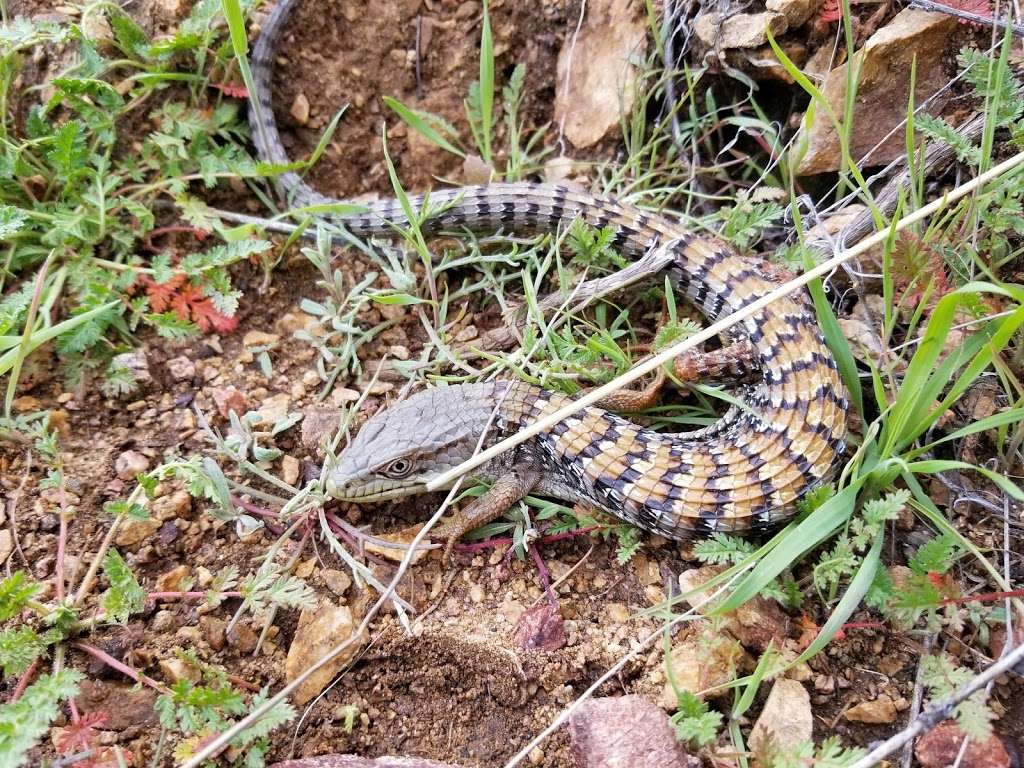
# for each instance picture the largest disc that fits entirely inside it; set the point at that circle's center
(744, 472)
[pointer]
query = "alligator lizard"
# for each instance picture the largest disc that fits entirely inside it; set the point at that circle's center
(743, 473)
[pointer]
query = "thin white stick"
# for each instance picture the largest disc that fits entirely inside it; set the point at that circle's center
(941, 710)
(642, 647)
(214, 747)
(670, 353)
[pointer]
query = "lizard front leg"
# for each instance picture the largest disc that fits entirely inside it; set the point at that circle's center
(506, 491)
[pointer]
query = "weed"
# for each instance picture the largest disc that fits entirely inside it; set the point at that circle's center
(79, 212)
(24, 721)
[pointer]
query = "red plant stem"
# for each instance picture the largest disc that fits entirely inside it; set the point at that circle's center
(862, 625)
(255, 509)
(24, 680)
(545, 576)
(505, 540)
(186, 595)
(121, 667)
(75, 717)
(243, 683)
(982, 598)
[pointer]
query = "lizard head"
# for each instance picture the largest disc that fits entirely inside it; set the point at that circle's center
(402, 448)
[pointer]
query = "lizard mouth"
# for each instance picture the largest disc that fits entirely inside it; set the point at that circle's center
(372, 492)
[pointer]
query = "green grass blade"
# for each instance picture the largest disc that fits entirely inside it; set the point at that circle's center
(934, 466)
(981, 425)
(849, 603)
(41, 337)
(325, 138)
(415, 120)
(792, 543)
(486, 84)
(836, 340)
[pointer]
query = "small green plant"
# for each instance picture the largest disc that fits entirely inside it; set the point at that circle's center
(694, 721)
(25, 721)
(829, 754)
(76, 214)
(482, 117)
(199, 710)
(942, 678)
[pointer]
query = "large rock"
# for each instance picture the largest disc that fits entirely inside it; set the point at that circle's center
(882, 93)
(786, 719)
(595, 71)
(318, 632)
(741, 30)
(625, 731)
(941, 747)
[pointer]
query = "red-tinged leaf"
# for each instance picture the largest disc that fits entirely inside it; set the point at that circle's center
(81, 736)
(808, 631)
(189, 303)
(198, 308)
(161, 295)
(235, 90)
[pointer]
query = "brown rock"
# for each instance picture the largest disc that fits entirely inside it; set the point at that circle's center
(786, 719)
(300, 108)
(126, 706)
(243, 637)
(475, 171)
(795, 11)
(318, 426)
(540, 629)
(6, 544)
(880, 710)
(130, 464)
(699, 664)
(260, 339)
(600, 83)
(292, 322)
(939, 748)
(290, 468)
(177, 669)
(173, 580)
(625, 731)
(176, 504)
(26, 403)
(213, 631)
(742, 30)
(884, 64)
(319, 630)
(228, 399)
(132, 532)
(274, 409)
(181, 368)
(756, 624)
(337, 581)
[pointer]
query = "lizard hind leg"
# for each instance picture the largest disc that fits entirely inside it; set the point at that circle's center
(735, 363)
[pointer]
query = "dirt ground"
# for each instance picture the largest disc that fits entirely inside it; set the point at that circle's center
(459, 689)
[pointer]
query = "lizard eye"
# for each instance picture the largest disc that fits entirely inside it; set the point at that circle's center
(398, 468)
